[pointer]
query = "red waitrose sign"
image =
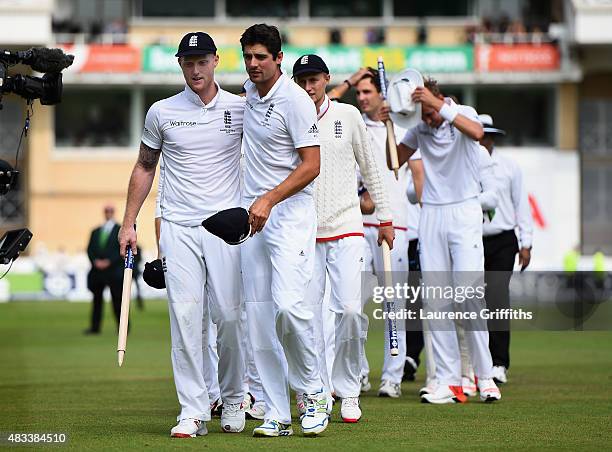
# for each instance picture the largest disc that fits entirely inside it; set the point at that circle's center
(517, 57)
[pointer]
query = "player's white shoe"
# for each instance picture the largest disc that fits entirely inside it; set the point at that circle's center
(365, 383)
(257, 411)
(499, 374)
(232, 417)
(272, 428)
(489, 392)
(429, 387)
(388, 389)
(350, 410)
(445, 394)
(316, 418)
(189, 428)
(469, 387)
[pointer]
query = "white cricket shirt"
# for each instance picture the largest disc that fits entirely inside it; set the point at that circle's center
(396, 189)
(450, 158)
(200, 145)
(513, 206)
(275, 126)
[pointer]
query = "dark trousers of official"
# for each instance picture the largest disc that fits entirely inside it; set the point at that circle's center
(500, 254)
(414, 328)
(97, 290)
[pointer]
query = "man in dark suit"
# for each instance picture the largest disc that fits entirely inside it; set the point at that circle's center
(106, 268)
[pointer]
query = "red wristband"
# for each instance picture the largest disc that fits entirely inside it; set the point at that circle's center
(386, 223)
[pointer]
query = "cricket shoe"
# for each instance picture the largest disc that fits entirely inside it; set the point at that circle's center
(350, 410)
(216, 408)
(430, 387)
(469, 386)
(499, 374)
(410, 368)
(189, 428)
(272, 428)
(388, 389)
(257, 411)
(365, 383)
(445, 394)
(316, 418)
(489, 392)
(232, 417)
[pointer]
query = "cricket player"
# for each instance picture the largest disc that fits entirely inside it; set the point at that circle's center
(488, 200)
(340, 238)
(501, 244)
(281, 147)
(367, 87)
(450, 234)
(198, 131)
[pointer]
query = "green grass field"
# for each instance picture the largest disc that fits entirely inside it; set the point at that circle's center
(54, 379)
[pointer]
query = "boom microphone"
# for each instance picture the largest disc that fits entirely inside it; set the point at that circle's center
(46, 60)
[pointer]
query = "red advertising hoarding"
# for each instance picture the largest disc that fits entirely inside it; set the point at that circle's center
(517, 57)
(104, 58)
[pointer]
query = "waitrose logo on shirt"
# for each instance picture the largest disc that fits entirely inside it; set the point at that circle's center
(182, 123)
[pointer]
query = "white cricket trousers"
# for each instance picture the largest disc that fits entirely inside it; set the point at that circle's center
(452, 256)
(343, 261)
(200, 266)
(277, 266)
(393, 366)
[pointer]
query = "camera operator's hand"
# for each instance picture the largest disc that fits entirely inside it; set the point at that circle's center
(127, 237)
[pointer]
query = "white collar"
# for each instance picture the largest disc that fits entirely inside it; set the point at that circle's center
(371, 123)
(277, 84)
(193, 97)
(324, 107)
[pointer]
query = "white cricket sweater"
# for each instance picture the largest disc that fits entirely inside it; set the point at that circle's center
(344, 142)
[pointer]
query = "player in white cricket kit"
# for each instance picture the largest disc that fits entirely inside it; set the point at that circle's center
(450, 233)
(281, 147)
(340, 243)
(198, 131)
(501, 244)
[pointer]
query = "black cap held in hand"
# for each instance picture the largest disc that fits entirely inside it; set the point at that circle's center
(153, 274)
(196, 43)
(230, 225)
(309, 64)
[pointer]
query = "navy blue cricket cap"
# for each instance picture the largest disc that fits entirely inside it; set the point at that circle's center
(196, 43)
(309, 64)
(231, 225)
(153, 274)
